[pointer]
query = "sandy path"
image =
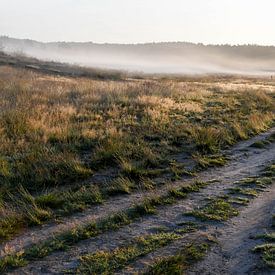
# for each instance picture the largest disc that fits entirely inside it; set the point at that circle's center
(246, 161)
(239, 155)
(233, 254)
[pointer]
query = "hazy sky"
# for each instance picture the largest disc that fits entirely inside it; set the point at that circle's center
(133, 21)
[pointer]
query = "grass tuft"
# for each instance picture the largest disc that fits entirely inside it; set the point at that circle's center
(177, 264)
(107, 262)
(217, 209)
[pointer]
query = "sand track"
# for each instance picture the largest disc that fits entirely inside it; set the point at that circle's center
(245, 161)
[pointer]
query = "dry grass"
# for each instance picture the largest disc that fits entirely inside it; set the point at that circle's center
(55, 131)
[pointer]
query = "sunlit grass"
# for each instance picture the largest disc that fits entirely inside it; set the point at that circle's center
(57, 132)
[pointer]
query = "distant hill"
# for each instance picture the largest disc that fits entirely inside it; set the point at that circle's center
(166, 57)
(57, 68)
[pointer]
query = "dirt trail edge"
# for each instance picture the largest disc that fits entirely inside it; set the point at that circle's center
(245, 161)
(238, 155)
(233, 253)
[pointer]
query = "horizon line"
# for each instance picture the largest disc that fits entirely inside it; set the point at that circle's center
(138, 43)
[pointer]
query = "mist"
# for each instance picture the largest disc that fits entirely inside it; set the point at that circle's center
(170, 58)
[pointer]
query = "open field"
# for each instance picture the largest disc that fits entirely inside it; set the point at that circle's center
(116, 174)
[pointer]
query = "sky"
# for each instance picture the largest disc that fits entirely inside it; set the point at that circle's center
(140, 21)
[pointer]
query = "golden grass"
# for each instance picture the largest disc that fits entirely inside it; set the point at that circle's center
(57, 130)
(42, 117)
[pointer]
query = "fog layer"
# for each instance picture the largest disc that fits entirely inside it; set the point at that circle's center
(186, 58)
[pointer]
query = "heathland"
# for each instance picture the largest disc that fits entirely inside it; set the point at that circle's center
(119, 150)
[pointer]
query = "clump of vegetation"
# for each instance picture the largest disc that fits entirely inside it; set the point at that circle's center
(64, 240)
(12, 260)
(226, 207)
(260, 144)
(28, 210)
(217, 209)
(270, 171)
(267, 250)
(256, 182)
(121, 185)
(238, 200)
(205, 161)
(195, 187)
(179, 263)
(267, 253)
(106, 262)
(187, 227)
(243, 191)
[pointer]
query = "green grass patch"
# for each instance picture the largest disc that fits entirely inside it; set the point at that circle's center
(178, 170)
(267, 252)
(107, 262)
(11, 225)
(177, 264)
(27, 210)
(114, 222)
(12, 260)
(238, 200)
(195, 187)
(270, 171)
(71, 201)
(269, 237)
(187, 227)
(205, 161)
(243, 191)
(121, 185)
(271, 138)
(260, 181)
(217, 209)
(260, 144)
